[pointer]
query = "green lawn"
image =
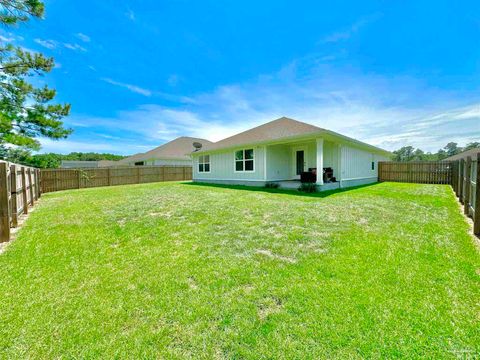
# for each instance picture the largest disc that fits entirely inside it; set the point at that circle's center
(188, 271)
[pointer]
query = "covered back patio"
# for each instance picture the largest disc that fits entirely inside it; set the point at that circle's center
(314, 160)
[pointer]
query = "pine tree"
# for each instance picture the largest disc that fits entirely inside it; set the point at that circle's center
(26, 112)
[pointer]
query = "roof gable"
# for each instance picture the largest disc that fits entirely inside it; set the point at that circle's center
(180, 148)
(277, 129)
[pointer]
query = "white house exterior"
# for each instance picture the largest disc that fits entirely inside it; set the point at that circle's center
(279, 151)
(174, 153)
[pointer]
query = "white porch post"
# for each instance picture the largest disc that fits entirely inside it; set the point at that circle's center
(340, 165)
(319, 161)
(265, 163)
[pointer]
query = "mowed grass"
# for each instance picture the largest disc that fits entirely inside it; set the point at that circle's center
(176, 270)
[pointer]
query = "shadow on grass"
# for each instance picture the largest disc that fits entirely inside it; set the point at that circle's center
(320, 194)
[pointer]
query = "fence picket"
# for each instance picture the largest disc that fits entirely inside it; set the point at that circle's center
(13, 192)
(466, 199)
(24, 191)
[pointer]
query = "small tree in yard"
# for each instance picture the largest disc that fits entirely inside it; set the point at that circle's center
(26, 112)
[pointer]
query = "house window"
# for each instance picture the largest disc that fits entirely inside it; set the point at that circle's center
(204, 163)
(139, 163)
(373, 165)
(244, 160)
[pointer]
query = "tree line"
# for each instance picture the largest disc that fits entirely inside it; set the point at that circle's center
(53, 160)
(409, 153)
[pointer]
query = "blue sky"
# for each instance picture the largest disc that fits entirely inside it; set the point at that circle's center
(140, 73)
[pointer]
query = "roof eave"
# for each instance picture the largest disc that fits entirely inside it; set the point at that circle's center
(307, 136)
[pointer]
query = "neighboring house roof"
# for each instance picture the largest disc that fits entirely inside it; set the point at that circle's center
(106, 163)
(178, 149)
(463, 155)
(282, 128)
(70, 164)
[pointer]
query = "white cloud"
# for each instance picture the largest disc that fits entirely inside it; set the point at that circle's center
(387, 112)
(133, 88)
(53, 44)
(7, 39)
(83, 37)
(389, 128)
(7, 36)
(347, 33)
(74, 47)
(49, 44)
(67, 146)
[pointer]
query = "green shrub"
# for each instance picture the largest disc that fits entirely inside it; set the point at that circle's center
(272, 185)
(308, 187)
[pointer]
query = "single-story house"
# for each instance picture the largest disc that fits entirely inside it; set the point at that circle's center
(174, 153)
(287, 151)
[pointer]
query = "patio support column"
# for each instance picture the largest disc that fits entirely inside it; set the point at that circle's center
(265, 163)
(319, 161)
(338, 175)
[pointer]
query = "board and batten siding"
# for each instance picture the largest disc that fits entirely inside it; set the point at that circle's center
(222, 166)
(357, 164)
(279, 162)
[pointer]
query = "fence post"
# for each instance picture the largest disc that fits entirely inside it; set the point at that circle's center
(476, 220)
(109, 176)
(462, 180)
(35, 180)
(24, 191)
(468, 185)
(39, 183)
(30, 185)
(4, 206)
(34, 174)
(13, 191)
(457, 181)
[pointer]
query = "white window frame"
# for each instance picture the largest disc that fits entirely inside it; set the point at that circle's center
(199, 162)
(243, 161)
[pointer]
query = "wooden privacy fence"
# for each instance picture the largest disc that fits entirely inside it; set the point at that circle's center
(463, 175)
(19, 190)
(467, 188)
(423, 172)
(64, 179)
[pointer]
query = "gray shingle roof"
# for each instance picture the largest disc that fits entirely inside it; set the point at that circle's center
(277, 129)
(463, 155)
(178, 149)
